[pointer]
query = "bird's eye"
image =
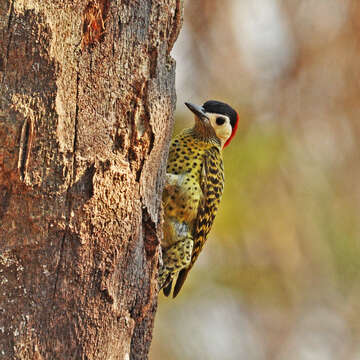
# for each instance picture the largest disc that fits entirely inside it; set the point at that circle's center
(220, 120)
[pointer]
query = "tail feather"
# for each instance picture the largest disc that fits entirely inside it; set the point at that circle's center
(167, 289)
(180, 281)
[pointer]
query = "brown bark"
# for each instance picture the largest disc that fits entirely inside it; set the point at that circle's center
(86, 111)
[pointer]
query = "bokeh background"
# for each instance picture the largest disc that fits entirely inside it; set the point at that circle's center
(279, 276)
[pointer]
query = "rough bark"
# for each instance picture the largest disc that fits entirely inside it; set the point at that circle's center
(86, 111)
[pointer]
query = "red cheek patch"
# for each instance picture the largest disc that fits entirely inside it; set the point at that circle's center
(233, 131)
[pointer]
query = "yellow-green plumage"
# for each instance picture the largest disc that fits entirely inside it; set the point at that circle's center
(194, 185)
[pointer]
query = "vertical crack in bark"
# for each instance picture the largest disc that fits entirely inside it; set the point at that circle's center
(176, 26)
(68, 200)
(25, 147)
(149, 233)
(75, 128)
(8, 28)
(9, 41)
(147, 115)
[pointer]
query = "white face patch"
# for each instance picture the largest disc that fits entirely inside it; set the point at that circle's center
(221, 125)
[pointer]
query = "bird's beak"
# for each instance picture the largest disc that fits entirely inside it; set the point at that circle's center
(199, 111)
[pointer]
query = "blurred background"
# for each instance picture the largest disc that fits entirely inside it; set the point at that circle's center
(279, 275)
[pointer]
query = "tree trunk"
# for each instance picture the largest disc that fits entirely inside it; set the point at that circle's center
(86, 111)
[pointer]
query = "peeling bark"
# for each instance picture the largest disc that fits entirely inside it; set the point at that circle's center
(86, 112)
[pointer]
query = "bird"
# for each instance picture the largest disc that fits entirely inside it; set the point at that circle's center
(193, 188)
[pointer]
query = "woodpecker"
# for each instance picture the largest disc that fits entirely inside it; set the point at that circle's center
(193, 188)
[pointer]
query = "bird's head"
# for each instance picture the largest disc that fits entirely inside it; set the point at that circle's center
(215, 119)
